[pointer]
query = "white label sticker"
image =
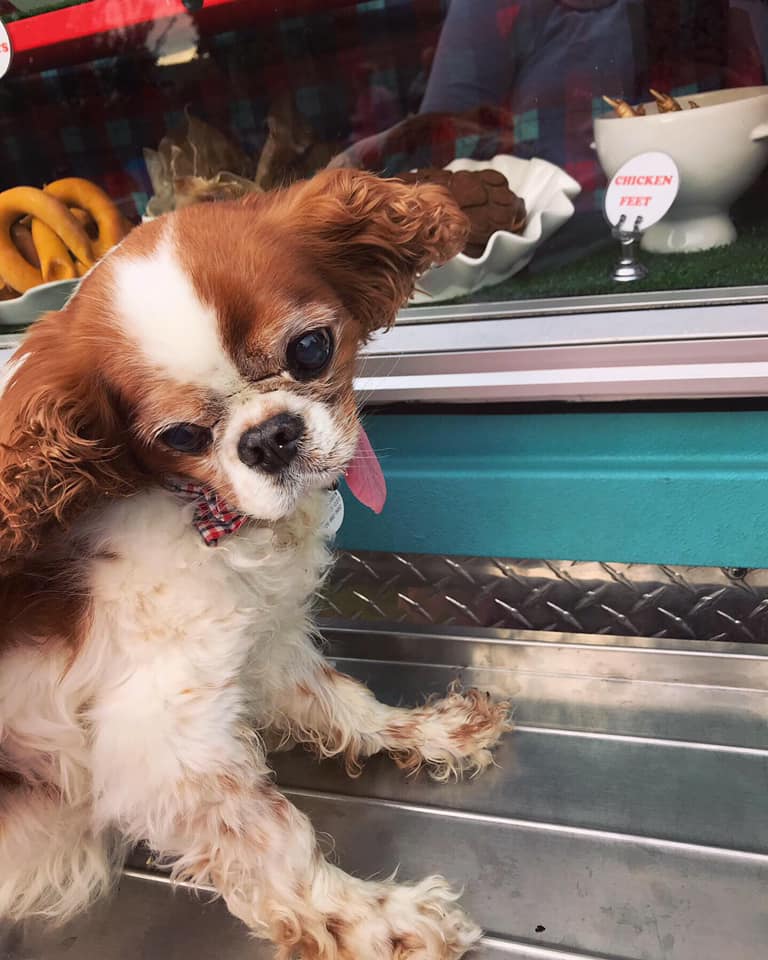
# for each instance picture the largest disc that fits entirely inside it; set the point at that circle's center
(6, 50)
(642, 191)
(335, 516)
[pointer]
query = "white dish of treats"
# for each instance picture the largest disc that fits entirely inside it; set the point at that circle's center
(548, 193)
(720, 149)
(25, 309)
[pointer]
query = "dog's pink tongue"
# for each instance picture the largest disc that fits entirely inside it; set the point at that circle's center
(364, 477)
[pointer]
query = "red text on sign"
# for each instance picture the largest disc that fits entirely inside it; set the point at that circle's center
(664, 180)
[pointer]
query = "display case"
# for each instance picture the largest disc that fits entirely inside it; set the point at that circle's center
(575, 453)
(161, 103)
(547, 94)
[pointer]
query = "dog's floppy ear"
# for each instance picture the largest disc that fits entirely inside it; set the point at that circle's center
(373, 237)
(60, 443)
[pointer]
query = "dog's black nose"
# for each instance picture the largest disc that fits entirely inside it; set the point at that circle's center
(273, 444)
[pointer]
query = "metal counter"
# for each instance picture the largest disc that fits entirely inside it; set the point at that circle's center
(671, 344)
(626, 820)
(626, 346)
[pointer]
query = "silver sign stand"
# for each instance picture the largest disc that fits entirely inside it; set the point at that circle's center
(629, 267)
(649, 181)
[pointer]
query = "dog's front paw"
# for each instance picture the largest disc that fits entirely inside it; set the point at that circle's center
(426, 924)
(453, 736)
(388, 921)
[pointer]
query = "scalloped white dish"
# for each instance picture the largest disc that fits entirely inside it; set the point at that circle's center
(547, 191)
(23, 310)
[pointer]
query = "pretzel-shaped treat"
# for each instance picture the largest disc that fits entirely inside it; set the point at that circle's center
(76, 192)
(18, 202)
(55, 260)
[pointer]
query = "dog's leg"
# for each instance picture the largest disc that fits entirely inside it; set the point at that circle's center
(53, 863)
(183, 773)
(335, 714)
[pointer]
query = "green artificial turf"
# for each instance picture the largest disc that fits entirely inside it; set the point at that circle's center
(567, 274)
(743, 263)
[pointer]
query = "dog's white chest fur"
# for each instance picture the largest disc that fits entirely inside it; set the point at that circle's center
(157, 568)
(160, 594)
(150, 730)
(200, 636)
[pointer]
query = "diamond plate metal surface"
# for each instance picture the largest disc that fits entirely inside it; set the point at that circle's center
(642, 600)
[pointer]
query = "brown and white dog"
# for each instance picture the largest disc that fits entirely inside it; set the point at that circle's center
(201, 382)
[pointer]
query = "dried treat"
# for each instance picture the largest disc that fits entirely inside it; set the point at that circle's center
(76, 192)
(469, 191)
(484, 196)
(21, 235)
(224, 186)
(18, 202)
(88, 224)
(293, 150)
(623, 109)
(55, 233)
(195, 163)
(55, 261)
(664, 102)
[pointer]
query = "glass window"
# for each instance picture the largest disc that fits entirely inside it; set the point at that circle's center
(532, 104)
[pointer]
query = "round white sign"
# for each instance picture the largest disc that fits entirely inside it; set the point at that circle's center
(642, 191)
(6, 50)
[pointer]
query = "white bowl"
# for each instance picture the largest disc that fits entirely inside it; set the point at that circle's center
(720, 150)
(547, 191)
(23, 310)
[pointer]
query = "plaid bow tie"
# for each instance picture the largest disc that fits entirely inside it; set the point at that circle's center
(214, 518)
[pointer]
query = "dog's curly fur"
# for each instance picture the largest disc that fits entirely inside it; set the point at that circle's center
(141, 670)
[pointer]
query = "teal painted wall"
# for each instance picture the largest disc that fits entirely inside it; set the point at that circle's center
(677, 488)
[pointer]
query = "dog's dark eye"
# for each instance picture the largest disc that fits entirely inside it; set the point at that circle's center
(309, 354)
(187, 437)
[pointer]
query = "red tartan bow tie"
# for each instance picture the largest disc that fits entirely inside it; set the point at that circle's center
(214, 518)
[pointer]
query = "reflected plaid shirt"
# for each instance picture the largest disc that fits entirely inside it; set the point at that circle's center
(93, 119)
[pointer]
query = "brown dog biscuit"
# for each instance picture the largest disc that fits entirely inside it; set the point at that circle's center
(483, 195)
(468, 189)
